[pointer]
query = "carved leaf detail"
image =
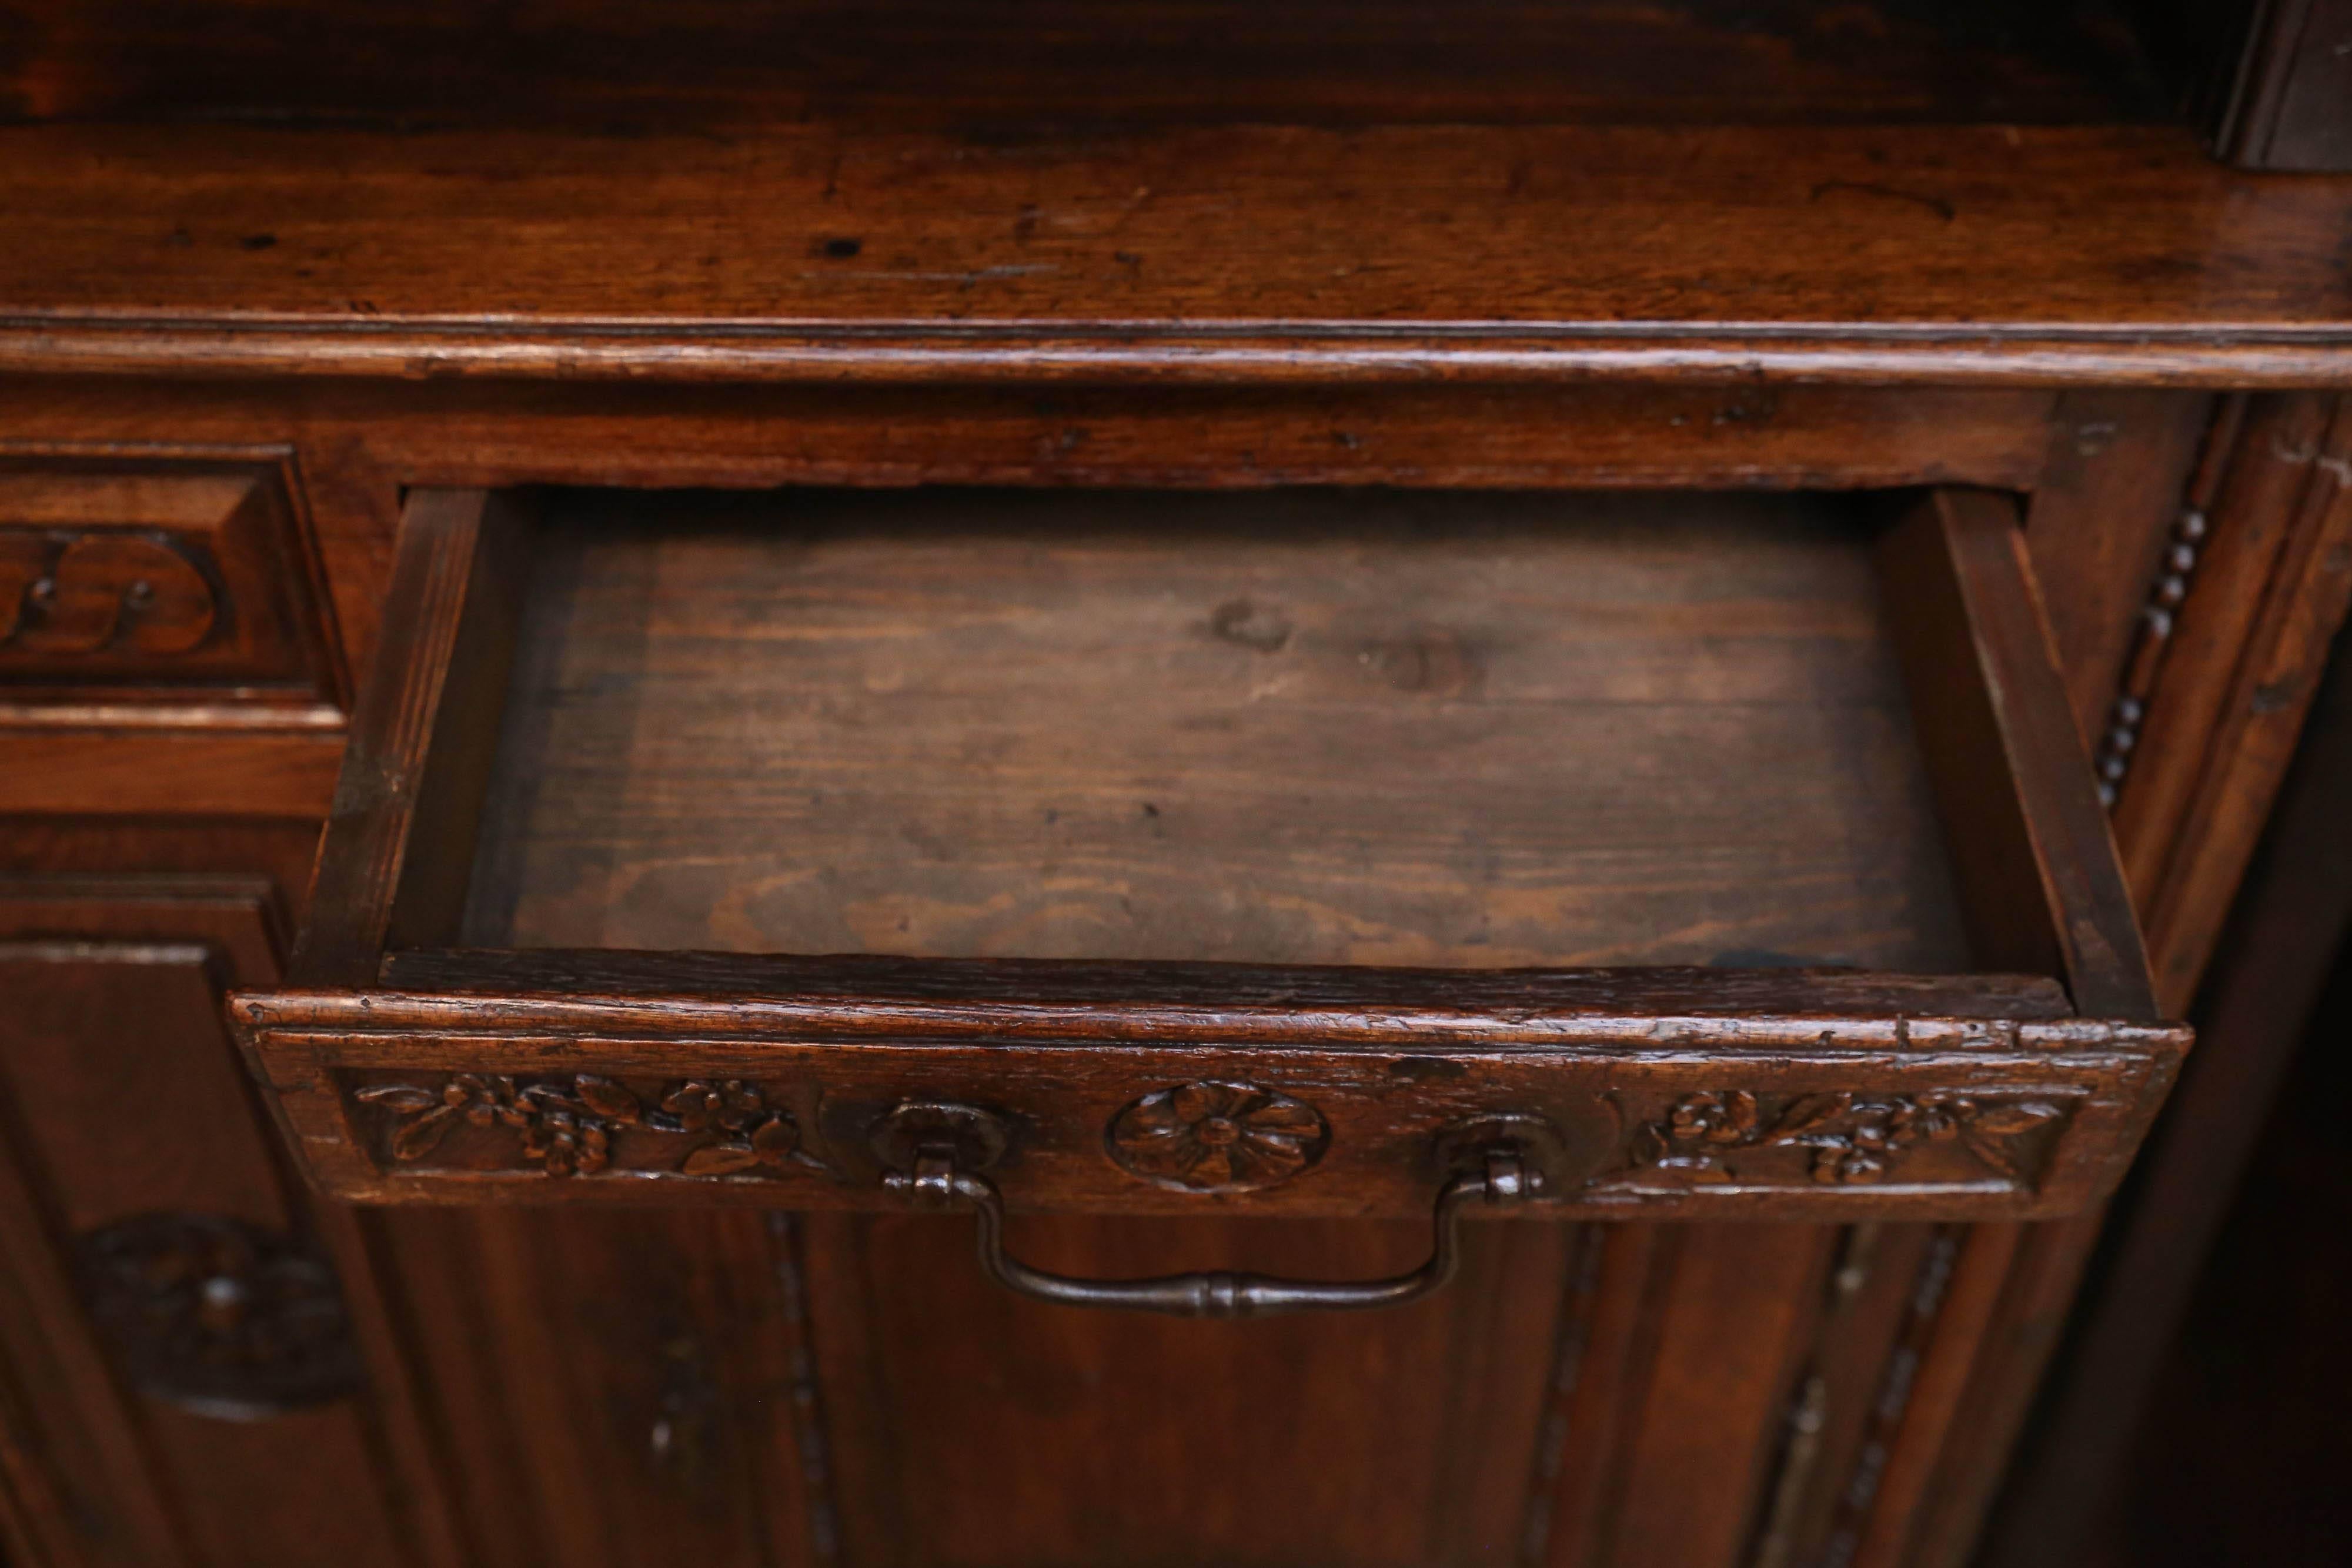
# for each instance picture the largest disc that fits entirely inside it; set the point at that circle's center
(1855, 1140)
(569, 1126)
(1992, 1151)
(607, 1099)
(1812, 1113)
(418, 1137)
(774, 1142)
(404, 1098)
(2007, 1120)
(720, 1159)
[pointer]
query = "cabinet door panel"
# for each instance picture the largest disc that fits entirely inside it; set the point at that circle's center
(981, 1428)
(183, 1370)
(619, 1388)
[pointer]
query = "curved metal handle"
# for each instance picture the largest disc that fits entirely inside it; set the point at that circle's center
(937, 1180)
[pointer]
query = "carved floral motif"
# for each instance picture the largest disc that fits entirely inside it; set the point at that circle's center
(1218, 1137)
(1851, 1139)
(222, 1317)
(568, 1127)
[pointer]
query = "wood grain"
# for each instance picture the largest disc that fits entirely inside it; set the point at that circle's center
(1316, 728)
(981, 1428)
(450, 615)
(1276, 255)
(183, 584)
(1016, 998)
(133, 772)
(2097, 525)
(2040, 882)
(1728, 1350)
(85, 858)
(2283, 940)
(1883, 1293)
(359, 442)
(2269, 595)
(616, 1385)
(123, 1099)
(354, 1074)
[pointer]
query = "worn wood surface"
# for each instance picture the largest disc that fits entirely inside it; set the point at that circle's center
(2099, 524)
(551, 1402)
(2237, 675)
(622, 1524)
(2272, 596)
(265, 774)
(614, 1388)
(1021, 700)
(63, 849)
(2040, 882)
(359, 443)
(865, 994)
(129, 585)
(644, 675)
(387, 1099)
(1281, 255)
(450, 615)
(123, 1101)
(1500, 731)
(2281, 947)
(981, 1428)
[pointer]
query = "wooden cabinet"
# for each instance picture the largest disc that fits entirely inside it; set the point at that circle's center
(1592, 678)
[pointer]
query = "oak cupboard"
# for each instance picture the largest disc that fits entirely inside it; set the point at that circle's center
(740, 744)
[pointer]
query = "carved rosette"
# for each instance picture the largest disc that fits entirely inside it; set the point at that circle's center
(569, 1126)
(1725, 1137)
(1217, 1137)
(218, 1316)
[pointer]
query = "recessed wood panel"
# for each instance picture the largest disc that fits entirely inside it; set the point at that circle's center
(1024, 1434)
(191, 1389)
(183, 582)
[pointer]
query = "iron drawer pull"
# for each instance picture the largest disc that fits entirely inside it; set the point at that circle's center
(939, 1178)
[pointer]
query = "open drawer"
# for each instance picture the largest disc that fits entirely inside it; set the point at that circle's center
(1277, 852)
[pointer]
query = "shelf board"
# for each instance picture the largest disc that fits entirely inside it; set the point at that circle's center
(1987, 253)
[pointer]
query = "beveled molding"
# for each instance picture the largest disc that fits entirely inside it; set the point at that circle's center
(395, 1099)
(162, 584)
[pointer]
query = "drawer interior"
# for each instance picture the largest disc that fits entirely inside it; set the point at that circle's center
(1362, 727)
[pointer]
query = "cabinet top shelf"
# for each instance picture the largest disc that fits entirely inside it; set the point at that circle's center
(1983, 254)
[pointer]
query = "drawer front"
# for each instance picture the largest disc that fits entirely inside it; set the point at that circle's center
(1798, 1109)
(172, 582)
